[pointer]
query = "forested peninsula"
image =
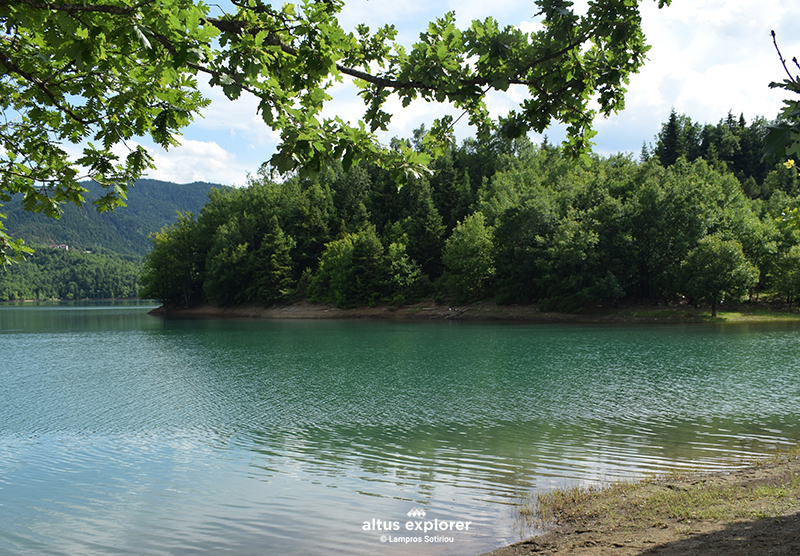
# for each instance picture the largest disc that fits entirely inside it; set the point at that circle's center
(699, 217)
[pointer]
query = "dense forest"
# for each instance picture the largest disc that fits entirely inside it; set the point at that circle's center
(697, 217)
(98, 255)
(61, 274)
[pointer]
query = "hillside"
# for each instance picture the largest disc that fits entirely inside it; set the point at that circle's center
(152, 204)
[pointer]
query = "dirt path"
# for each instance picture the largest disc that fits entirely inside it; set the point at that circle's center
(753, 511)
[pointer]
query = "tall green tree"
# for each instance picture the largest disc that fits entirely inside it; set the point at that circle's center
(352, 271)
(172, 271)
(717, 269)
(522, 237)
(406, 281)
(674, 208)
(469, 259)
(670, 144)
(786, 280)
(99, 73)
(272, 277)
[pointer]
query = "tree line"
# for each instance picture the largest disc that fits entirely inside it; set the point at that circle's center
(503, 219)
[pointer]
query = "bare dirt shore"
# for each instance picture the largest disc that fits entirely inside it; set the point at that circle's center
(485, 311)
(751, 511)
(424, 311)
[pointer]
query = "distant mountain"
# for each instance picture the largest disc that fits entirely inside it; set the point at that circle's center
(151, 205)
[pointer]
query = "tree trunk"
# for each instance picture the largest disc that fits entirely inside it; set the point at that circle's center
(713, 308)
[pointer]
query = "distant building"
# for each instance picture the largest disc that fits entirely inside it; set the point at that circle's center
(63, 246)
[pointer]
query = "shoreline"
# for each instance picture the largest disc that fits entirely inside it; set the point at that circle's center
(751, 510)
(488, 311)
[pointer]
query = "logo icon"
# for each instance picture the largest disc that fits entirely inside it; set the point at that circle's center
(416, 512)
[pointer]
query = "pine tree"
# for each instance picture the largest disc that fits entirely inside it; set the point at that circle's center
(668, 147)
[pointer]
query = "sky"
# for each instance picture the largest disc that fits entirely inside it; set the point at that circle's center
(708, 58)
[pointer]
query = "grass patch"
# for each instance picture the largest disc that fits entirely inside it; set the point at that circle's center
(769, 488)
(757, 314)
(734, 314)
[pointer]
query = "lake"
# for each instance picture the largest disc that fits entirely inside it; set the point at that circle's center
(124, 434)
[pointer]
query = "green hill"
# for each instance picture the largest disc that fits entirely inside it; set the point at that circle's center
(152, 204)
(60, 274)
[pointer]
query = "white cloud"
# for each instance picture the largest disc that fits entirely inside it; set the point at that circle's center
(239, 118)
(708, 57)
(189, 162)
(198, 161)
(530, 26)
(504, 11)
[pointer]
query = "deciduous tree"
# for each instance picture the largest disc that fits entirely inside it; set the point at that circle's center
(717, 269)
(468, 259)
(97, 74)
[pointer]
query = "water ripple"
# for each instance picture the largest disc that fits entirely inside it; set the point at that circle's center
(231, 436)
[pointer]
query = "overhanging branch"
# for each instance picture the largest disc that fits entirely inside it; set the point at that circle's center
(77, 8)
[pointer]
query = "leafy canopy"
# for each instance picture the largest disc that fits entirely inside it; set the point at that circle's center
(717, 268)
(86, 77)
(784, 135)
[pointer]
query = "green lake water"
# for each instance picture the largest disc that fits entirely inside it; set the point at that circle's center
(121, 433)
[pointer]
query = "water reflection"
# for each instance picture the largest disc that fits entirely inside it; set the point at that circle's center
(83, 316)
(121, 433)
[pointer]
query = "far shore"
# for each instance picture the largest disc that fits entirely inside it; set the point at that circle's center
(488, 311)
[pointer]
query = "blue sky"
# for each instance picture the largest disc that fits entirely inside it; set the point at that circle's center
(708, 57)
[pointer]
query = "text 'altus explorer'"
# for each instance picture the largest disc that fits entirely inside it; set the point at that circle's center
(417, 525)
